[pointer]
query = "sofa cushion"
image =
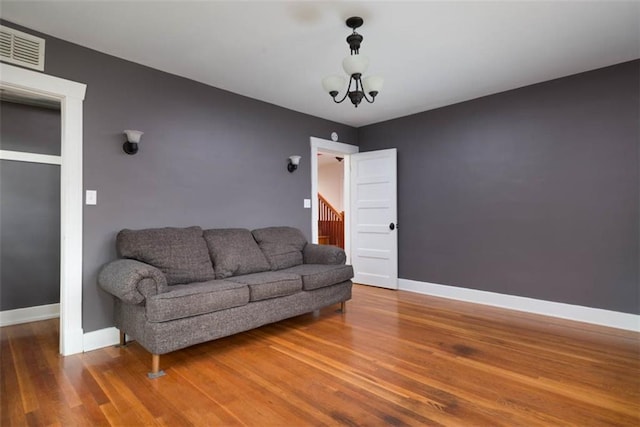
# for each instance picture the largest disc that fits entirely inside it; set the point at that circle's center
(316, 276)
(180, 253)
(281, 245)
(323, 254)
(195, 299)
(269, 284)
(234, 252)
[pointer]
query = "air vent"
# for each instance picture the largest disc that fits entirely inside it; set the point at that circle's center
(21, 48)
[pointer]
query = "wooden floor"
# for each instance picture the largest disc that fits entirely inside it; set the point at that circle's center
(395, 358)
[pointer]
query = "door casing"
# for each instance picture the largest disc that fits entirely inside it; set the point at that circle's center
(70, 95)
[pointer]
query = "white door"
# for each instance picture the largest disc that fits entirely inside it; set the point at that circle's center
(374, 236)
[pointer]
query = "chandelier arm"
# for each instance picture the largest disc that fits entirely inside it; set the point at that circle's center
(365, 97)
(346, 93)
(364, 92)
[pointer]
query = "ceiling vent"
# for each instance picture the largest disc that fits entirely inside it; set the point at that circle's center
(21, 48)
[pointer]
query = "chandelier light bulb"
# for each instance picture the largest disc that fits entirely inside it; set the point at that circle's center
(355, 64)
(372, 84)
(333, 83)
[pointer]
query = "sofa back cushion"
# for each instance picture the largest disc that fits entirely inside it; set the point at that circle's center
(282, 246)
(234, 252)
(180, 253)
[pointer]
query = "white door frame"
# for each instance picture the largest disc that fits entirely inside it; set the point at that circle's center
(324, 145)
(70, 95)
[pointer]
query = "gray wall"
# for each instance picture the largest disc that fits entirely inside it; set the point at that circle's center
(208, 157)
(532, 192)
(29, 209)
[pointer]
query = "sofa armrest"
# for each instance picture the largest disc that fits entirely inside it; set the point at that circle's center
(323, 254)
(131, 281)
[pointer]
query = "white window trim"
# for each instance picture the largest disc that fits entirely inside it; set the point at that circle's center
(70, 95)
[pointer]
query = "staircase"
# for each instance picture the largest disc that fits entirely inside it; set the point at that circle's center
(330, 224)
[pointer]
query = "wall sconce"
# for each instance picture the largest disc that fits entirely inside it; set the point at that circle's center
(294, 161)
(133, 139)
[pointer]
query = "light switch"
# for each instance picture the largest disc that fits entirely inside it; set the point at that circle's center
(92, 197)
(307, 203)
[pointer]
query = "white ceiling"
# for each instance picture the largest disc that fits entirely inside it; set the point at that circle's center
(431, 54)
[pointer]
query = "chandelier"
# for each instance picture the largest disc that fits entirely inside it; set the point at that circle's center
(355, 66)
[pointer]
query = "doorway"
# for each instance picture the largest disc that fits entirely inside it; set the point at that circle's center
(331, 199)
(370, 210)
(330, 150)
(29, 209)
(70, 96)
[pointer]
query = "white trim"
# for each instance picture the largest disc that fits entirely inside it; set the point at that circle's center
(19, 156)
(101, 338)
(40, 83)
(29, 314)
(70, 95)
(597, 316)
(318, 144)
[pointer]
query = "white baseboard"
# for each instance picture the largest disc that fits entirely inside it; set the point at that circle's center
(29, 314)
(101, 338)
(613, 319)
(90, 341)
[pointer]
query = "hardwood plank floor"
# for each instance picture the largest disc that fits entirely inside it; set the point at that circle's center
(395, 358)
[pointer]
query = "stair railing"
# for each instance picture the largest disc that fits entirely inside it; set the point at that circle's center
(330, 223)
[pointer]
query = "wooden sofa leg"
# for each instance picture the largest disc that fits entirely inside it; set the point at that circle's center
(343, 307)
(155, 367)
(123, 339)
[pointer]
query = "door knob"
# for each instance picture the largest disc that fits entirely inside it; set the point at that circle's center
(392, 226)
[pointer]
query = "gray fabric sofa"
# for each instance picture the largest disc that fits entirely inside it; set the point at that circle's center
(176, 287)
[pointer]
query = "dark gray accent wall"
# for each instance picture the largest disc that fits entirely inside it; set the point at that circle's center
(30, 242)
(208, 157)
(532, 192)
